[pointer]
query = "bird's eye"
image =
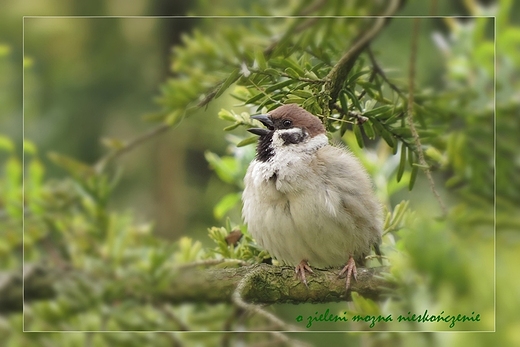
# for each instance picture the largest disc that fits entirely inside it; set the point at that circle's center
(286, 123)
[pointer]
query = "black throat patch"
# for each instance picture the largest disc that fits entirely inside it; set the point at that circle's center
(264, 152)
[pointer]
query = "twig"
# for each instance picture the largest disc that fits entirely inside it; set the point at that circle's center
(381, 73)
(209, 96)
(256, 309)
(239, 302)
(340, 71)
(211, 262)
(409, 118)
(277, 323)
(358, 116)
(173, 317)
(100, 165)
(234, 317)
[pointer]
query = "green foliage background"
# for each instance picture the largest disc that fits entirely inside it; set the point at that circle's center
(130, 222)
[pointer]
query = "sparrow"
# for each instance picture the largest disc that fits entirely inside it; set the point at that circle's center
(309, 203)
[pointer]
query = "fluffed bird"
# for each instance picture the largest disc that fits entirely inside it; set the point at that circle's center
(309, 203)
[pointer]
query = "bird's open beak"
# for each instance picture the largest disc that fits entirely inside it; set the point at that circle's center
(265, 119)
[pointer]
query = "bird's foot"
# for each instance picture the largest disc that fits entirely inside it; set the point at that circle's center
(350, 270)
(300, 271)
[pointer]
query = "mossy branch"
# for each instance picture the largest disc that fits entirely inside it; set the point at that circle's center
(265, 284)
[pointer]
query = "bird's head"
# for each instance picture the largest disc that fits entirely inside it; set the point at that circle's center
(287, 125)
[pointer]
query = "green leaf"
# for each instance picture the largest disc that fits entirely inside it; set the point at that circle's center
(343, 128)
(226, 115)
(353, 98)
(294, 100)
(384, 133)
(272, 106)
(232, 127)
(294, 65)
(395, 148)
(411, 157)
(355, 76)
(343, 101)
(174, 117)
(435, 154)
(73, 166)
(369, 87)
(404, 132)
(279, 85)
(388, 138)
(235, 74)
(255, 98)
(114, 144)
(378, 112)
(225, 167)
(241, 92)
(302, 93)
(272, 72)
(293, 74)
(369, 130)
(311, 75)
(423, 133)
(267, 103)
(365, 306)
(413, 177)
(359, 136)
(402, 162)
(188, 250)
(248, 141)
(225, 204)
(453, 181)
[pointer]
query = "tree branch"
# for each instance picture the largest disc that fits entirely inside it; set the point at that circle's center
(340, 71)
(270, 284)
(265, 284)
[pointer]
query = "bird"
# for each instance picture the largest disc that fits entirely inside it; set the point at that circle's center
(310, 204)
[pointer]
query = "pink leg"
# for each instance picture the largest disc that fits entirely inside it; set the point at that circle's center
(349, 269)
(300, 271)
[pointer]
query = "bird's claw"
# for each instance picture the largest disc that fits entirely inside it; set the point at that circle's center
(350, 270)
(300, 271)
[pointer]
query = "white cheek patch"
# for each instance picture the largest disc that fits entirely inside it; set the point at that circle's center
(280, 137)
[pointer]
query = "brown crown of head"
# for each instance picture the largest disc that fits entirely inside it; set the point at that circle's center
(299, 118)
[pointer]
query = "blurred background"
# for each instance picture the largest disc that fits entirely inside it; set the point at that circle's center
(94, 79)
(91, 83)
